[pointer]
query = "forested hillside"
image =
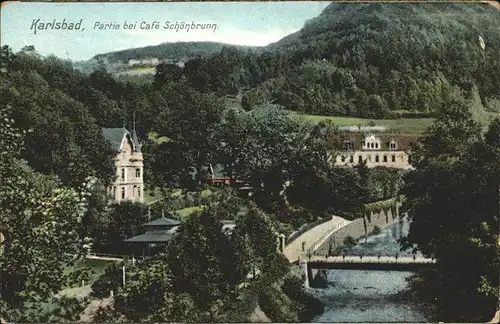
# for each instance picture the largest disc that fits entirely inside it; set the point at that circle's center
(371, 60)
(64, 110)
(355, 59)
(173, 51)
(362, 59)
(367, 60)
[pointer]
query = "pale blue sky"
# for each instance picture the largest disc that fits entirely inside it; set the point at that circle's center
(243, 23)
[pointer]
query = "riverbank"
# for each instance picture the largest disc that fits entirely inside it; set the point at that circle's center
(358, 229)
(424, 291)
(370, 295)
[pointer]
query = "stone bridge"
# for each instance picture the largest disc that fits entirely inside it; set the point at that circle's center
(330, 235)
(382, 263)
(295, 250)
(334, 239)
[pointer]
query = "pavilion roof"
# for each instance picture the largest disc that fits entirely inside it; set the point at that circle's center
(163, 221)
(152, 237)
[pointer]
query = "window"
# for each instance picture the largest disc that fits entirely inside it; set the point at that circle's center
(137, 172)
(376, 145)
(360, 159)
(393, 158)
(371, 145)
(134, 190)
(363, 144)
(376, 158)
(123, 173)
(123, 193)
(351, 159)
(343, 158)
(138, 191)
(385, 158)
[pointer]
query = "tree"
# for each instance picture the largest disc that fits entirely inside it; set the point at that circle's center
(65, 139)
(6, 58)
(41, 221)
(166, 73)
(110, 225)
(201, 260)
(266, 147)
(188, 125)
(452, 200)
(153, 279)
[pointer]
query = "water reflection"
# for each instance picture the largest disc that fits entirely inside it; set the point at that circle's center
(368, 296)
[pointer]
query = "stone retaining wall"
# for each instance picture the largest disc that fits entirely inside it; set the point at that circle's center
(359, 228)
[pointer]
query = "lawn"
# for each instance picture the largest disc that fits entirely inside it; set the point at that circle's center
(482, 116)
(232, 103)
(403, 125)
(98, 267)
(138, 71)
(186, 212)
(75, 289)
(151, 196)
(156, 138)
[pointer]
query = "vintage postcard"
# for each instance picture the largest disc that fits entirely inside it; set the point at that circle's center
(224, 162)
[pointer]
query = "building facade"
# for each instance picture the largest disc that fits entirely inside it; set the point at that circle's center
(375, 151)
(129, 182)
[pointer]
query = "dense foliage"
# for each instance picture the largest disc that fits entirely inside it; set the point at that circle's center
(202, 276)
(452, 199)
(374, 60)
(110, 225)
(371, 60)
(173, 51)
(65, 139)
(41, 222)
(367, 60)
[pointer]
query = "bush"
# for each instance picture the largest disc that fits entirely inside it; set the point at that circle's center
(275, 304)
(110, 280)
(349, 241)
(376, 230)
(307, 306)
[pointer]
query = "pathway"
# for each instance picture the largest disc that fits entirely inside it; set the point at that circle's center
(87, 316)
(293, 251)
(258, 316)
(105, 257)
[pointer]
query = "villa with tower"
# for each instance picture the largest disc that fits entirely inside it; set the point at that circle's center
(129, 182)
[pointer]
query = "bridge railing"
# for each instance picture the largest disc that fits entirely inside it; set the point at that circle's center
(373, 259)
(312, 249)
(304, 228)
(325, 236)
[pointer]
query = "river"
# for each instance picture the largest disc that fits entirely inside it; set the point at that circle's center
(369, 296)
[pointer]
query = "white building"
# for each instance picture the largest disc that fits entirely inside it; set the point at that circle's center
(382, 150)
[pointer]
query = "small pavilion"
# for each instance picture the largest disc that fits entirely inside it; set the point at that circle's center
(157, 234)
